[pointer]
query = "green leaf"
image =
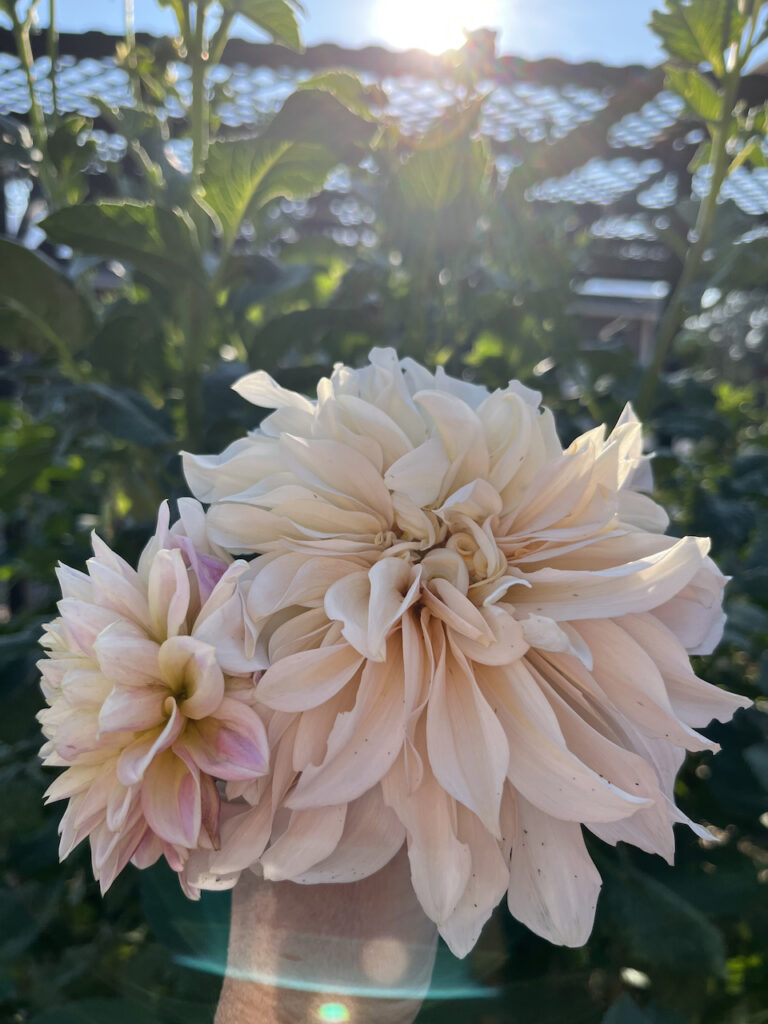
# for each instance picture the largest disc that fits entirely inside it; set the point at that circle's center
(654, 926)
(126, 414)
(698, 32)
(697, 91)
(316, 116)
(757, 758)
(276, 17)
(33, 288)
(346, 88)
(433, 178)
(625, 1011)
(157, 242)
(309, 136)
(97, 1011)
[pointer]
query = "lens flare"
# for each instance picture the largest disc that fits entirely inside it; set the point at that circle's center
(333, 1013)
(433, 25)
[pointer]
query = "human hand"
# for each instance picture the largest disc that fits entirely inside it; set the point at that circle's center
(361, 952)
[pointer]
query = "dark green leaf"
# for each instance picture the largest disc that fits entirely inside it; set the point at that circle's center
(757, 759)
(33, 288)
(277, 17)
(653, 925)
(318, 117)
(159, 243)
(126, 414)
(97, 1011)
(433, 178)
(625, 1011)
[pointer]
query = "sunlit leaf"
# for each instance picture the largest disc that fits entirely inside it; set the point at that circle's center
(276, 17)
(698, 32)
(698, 92)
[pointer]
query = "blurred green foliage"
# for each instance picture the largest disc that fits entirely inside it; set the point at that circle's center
(157, 284)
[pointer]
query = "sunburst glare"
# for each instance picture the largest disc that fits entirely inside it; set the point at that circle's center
(433, 25)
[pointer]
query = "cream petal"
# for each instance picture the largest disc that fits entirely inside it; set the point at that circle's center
(308, 678)
(84, 622)
(364, 741)
(694, 701)
(441, 865)
(244, 834)
(468, 749)
(230, 744)
(168, 593)
(485, 888)
(372, 836)
(170, 799)
(74, 584)
(449, 605)
(462, 434)
(133, 708)
(419, 474)
(213, 477)
(541, 766)
(546, 635)
(137, 756)
(260, 389)
(333, 469)
(631, 680)
(553, 884)
(119, 592)
(311, 836)
(636, 586)
(292, 579)
(126, 655)
(189, 666)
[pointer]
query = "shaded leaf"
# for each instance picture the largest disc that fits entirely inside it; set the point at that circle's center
(698, 32)
(157, 242)
(33, 287)
(97, 1011)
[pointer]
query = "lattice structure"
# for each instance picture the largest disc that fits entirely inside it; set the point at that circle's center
(607, 140)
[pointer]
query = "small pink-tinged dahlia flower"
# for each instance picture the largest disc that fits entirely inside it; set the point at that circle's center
(474, 642)
(142, 709)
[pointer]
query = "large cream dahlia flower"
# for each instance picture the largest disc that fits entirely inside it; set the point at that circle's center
(142, 709)
(473, 641)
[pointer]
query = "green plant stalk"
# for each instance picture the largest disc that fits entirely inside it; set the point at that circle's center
(53, 53)
(675, 311)
(199, 113)
(24, 50)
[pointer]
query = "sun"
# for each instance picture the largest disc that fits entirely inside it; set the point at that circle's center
(433, 25)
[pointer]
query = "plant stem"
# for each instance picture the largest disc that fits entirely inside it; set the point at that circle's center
(53, 53)
(674, 314)
(199, 113)
(24, 50)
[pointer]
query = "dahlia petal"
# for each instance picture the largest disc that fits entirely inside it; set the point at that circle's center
(364, 742)
(419, 473)
(229, 744)
(168, 593)
(170, 799)
(308, 678)
(449, 605)
(631, 680)
(468, 749)
(637, 586)
(126, 655)
(694, 701)
(372, 836)
(440, 864)
(293, 579)
(244, 834)
(84, 622)
(137, 756)
(149, 850)
(190, 666)
(134, 709)
(487, 884)
(311, 836)
(213, 477)
(260, 389)
(462, 434)
(334, 469)
(541, 766)
(119, 592)
(74, 584)
(553, 884)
